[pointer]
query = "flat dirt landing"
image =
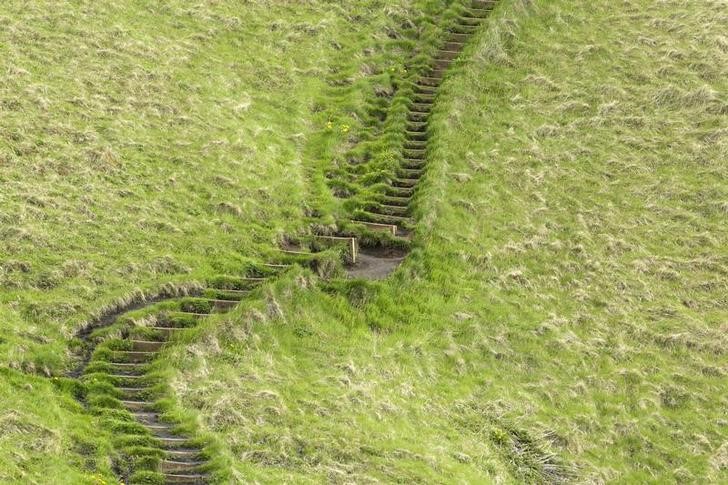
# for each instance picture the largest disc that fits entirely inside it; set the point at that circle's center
(376, 264)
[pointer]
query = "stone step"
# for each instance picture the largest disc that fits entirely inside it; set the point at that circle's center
(223, 306)
(453, 47)
(128, 369)
(172, 443)
(132, 357)
(386, 219)
(231, 295)
(185, 479)
(168, 331)
(420, 107)
(146, 346)
(391, 200)
(481, 9)
(390, 210)
(410, 173)
(423, 98)
(417, 117)
(416, 127)
(171, 319)
(173, 466)
(447, 55)
(423, 89)
(414, 163)
(477, 13)
(161, 430)
(464, 29)
(429, 81)
(190, 454)
(216, 306)
(146, 417)
(470, 21)
(226, 282)
(276, 266)
(124, 379)
(441, 63)
(415, 154)
(461, 39)
(415, 145)
(391, 191)
(373, 226)
(416, 135)
(134, 393)
(136, 405)
(403, 182)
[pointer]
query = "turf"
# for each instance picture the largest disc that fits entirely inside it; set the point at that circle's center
(146, 146)
(562, 316)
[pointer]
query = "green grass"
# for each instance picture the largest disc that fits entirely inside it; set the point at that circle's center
(561, 317)
(144, 145)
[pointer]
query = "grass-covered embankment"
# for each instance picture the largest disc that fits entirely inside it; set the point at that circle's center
(143, 144)
(564, 314)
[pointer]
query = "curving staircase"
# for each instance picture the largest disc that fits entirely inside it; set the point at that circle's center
(125, 389)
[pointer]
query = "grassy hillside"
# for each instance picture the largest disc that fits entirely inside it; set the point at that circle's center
(149, 144)
(562, 316)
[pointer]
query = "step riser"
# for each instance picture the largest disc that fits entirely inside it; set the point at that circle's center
(422, 89)
(399, 192)
(417, 128)
(441, 64)
(184, 455)
(391, 210)
(185, 480)
(416, 136)
(395, 201)
(414, 164)
(172, 443)
(423, 99)
(141, 394)
(386, 228)
(385, 219)
(410, 173)
(144, 346)
(429, 81)
(136, 406)
(405, 183)
(417, 117)
(133, 357)
(181, 468)
(452, 49)
(470, 21)
(415, 154)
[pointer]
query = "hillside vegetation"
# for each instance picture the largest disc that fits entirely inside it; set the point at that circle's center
(562, 316)
(147, 145)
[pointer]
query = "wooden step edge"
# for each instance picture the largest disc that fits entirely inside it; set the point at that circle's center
(376, 227)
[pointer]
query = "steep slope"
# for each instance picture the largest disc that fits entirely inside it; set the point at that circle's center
(561, 313)
(160, 146)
